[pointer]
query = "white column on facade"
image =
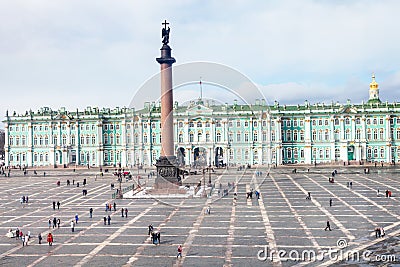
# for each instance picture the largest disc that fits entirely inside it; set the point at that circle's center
(30, 144)
(307, 140)
(388, 139)
(278, 137)
(6, 145)
(332, 136)
(124, 144)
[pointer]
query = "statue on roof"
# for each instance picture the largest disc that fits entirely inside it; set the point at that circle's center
(165, 33)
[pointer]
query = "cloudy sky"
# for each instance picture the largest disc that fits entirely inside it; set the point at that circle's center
(75, 54)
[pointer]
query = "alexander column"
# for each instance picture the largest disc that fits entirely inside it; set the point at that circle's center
(167, 171)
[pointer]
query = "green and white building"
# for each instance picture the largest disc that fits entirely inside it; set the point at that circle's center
(208, 134)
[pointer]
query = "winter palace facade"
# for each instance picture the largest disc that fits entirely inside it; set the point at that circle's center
(208, 134)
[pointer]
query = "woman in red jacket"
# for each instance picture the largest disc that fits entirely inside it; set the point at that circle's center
(50, 239)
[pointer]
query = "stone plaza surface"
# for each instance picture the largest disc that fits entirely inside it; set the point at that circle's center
(236, 233)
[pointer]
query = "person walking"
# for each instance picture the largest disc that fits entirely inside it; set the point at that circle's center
(122, 212)
(72, 226)
(23, 240)
(330, 202)
(40, 238)
(17, 233)
(109, 219)
(126, 212)
(328, 226)
(90, 213)
(58, 223)
(309, 196)
(151, 228)
(50, 239)
(49, 223)
(115, 206)
(54, 222)
(179, 251)
(105, 220)
(26, 239)
(54, 205)
(76, 218)
(58, 205)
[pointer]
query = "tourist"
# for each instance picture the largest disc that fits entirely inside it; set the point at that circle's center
(309, 196)
(23, 240)
(330, 202)
(40, 238)
(122, 212)
(106, 206)
(151, 228)
(105, 220)
(26, 199)
(76, 218)
(26, 239)
(50, 239)
(49, 223)
(126, 212)
(109, 219)
(58, 223)
(158, 236)
(179, 251)
(382, 232)
(58, 205)
(328, 226)
(377, 232)
(54, 205)
(90, 213)
(72, 226)
(115, 206)
(54, 222)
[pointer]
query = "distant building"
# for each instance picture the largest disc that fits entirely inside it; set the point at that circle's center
(209, 134)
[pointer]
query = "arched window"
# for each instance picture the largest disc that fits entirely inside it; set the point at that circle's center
(112, 139)
(55, 140)
(273, 136)
(35, 141)
(219, 137)
(358, 134)
(199, 124)
(347, 121)
(118, 139)
(369, 134)
(191, 137)
(314, 135)
(82, 140)
(337, 135)
(375, 134)
(180, 138)
(23, 140)
(199, 135)
(255, 136)
(46, 140)
(17, 141)
(93, 139)
(289, 135)
(319, 135)
(347, 134)
(87, 139)
(64, 140)
(382, 152)
(301, 135)
(327, 135)
(136, 139)
(145, 138)
(381, 134)
(295, 137)
(154, 138)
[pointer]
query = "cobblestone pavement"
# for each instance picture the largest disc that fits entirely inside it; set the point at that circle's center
(237, 232)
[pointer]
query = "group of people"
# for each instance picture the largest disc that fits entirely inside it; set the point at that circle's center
(24, 199)
(58, 205)
(379, 232)
(56, 223)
